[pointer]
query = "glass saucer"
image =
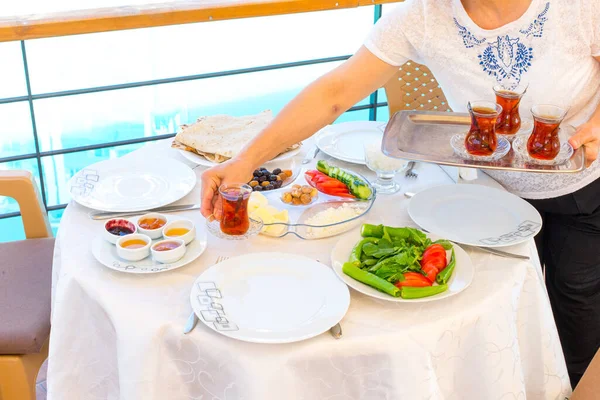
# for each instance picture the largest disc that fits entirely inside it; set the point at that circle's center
(520, 147)
(214, 227)
(526, 128)
(458, 144)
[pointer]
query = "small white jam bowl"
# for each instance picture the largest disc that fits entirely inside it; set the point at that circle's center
(134, 254)
(152, 233)
(168, 256)
(182, 223)
(120, 221)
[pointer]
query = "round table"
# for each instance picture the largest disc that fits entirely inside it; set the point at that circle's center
(119, 336)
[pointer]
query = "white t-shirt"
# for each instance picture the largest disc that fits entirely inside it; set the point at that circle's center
(550, 48)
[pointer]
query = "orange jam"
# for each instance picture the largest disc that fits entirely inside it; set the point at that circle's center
(133, 244)
(151, 223)
(166, 246)
(176, 232)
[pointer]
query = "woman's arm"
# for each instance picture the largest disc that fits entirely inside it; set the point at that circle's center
(317, 105)
(588, 136)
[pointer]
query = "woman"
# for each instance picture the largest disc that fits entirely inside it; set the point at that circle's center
(471, 45)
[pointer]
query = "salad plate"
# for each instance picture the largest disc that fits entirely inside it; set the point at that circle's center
(269, 298)
(116, 186)
(459, 280)
(475, 215)
(344, 141)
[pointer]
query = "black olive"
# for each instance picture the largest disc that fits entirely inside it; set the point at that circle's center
(269, 187)
(276, 171)
(262, 178)
(273, 177)
(258, 188)
(256, 172)
(278, 184)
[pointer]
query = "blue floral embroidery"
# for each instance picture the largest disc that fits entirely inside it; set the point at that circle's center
(468, 38)
(506, 59)
(536, 28)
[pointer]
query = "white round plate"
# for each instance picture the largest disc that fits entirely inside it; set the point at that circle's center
(475, 215)
(106, 254)
(269, 298)
(460, 280)
(458, 144)
(344, 141)
(565, 154)
(120, 186)
(199, 160)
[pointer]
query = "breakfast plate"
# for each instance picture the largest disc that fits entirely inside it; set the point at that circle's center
(460, 279)
(199, 160)
(475, 215)
(116, 186)
(269, 298)
(344, 141)
(106, 252)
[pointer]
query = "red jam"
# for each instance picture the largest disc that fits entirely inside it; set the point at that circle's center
(120, 227)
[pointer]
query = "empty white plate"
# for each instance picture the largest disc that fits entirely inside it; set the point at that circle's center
(269, 298)
(475, 215)
(122, 186)
(345, 141)
(461, 278)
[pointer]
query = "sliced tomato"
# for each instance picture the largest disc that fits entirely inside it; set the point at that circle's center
(431, 270)
(434, 249)
(333, 184)
(414, 279)
(439, 261)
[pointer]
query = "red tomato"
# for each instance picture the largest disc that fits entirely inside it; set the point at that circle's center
(434, 249)
(431, 271)
(414, 279)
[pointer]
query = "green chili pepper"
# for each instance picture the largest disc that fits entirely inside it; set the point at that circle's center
(444, 275)
(420, 292)
(369, 230)
(357, 251)
(370, 279)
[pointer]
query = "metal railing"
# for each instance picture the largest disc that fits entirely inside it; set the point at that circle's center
(30, 97)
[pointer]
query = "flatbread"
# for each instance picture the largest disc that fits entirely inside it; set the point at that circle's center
(221, 137)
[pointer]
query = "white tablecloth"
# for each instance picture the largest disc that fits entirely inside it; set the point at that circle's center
(119, 336)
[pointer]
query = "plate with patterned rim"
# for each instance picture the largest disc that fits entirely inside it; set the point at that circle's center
(475, 215)
(106, 254)
(270, 298)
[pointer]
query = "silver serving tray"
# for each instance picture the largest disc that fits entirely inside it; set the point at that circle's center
(425, 136)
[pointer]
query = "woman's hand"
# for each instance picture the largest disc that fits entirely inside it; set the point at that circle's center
(588, 136)
(232, 171)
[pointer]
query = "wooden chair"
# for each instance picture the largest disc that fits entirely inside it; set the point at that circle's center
(414, 88)
(588, 387)
(25, 286)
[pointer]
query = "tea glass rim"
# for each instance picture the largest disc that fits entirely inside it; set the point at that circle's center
(490, 104)
(245, 190)
(562, 113)
(518, 91)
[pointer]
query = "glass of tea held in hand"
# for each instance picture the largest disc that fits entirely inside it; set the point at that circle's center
(481, 139)
(234, 201)
(509, 120)
(544, 143)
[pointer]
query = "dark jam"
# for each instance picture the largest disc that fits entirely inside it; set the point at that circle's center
(120, 230)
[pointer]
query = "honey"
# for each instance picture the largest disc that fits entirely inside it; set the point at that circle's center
(133, 244)
(151, 223)
(174, 232)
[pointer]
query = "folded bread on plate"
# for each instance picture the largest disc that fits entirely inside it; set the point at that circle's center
(221, 137)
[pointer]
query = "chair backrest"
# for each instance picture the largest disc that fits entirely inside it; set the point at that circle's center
(414, 88)
(21, 186)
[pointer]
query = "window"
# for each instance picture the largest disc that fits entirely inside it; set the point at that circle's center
(100, 96)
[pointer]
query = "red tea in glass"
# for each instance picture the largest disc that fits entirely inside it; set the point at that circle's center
(481, 139)
(234, 201)
(509, 120)
(544, 142)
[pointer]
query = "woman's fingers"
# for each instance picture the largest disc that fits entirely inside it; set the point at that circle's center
(210, 187)
(583, 135)
(591, 152)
